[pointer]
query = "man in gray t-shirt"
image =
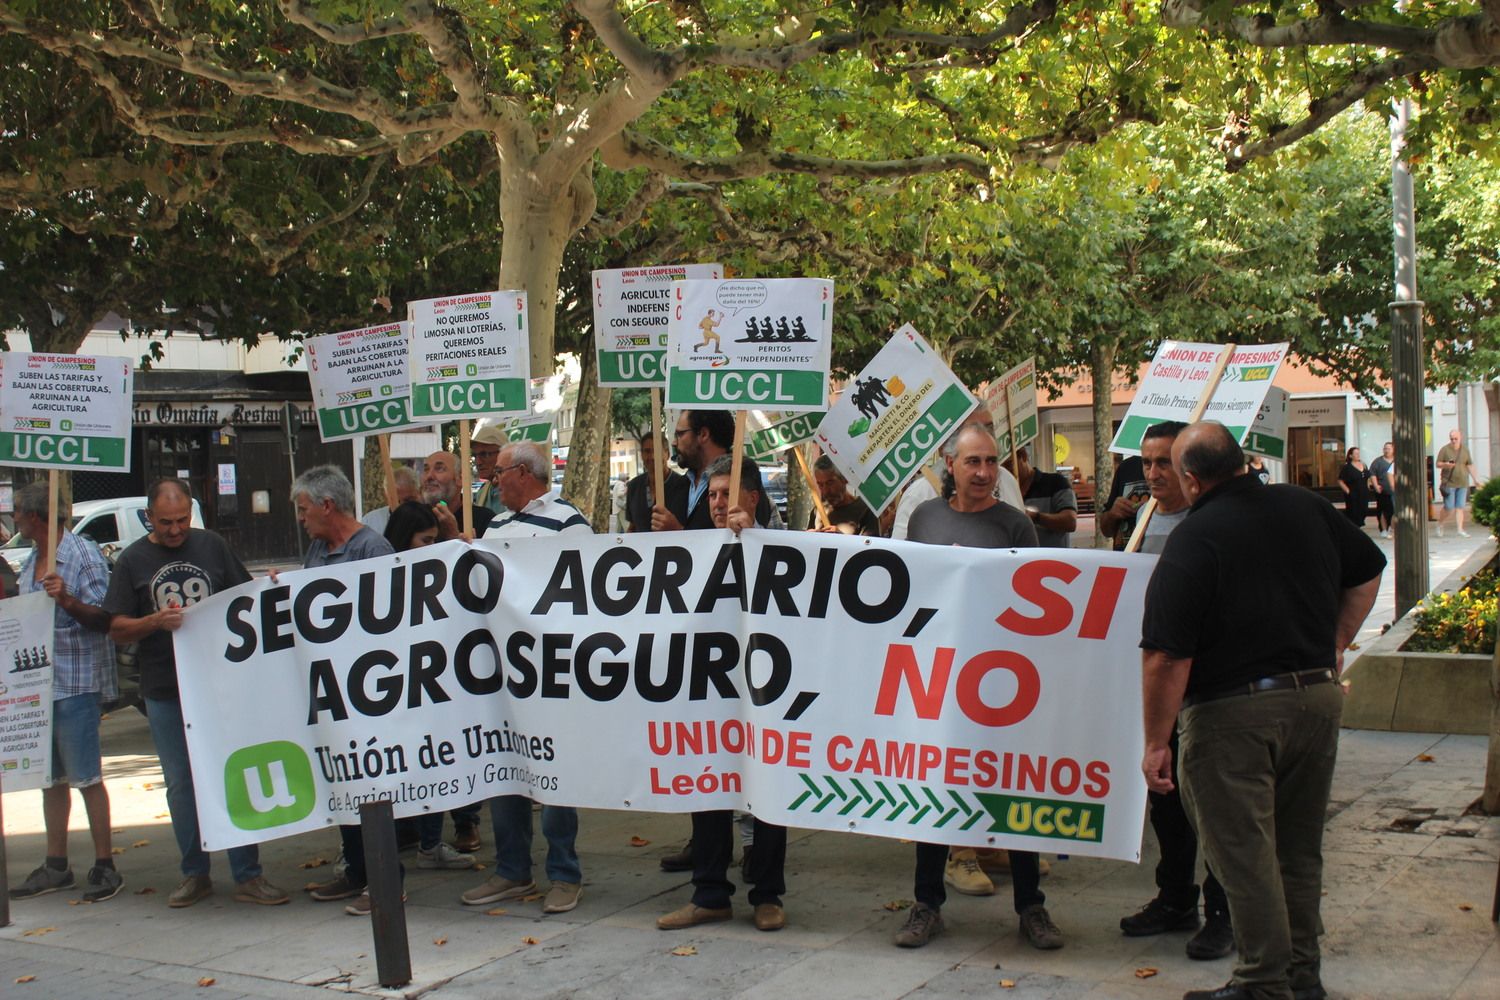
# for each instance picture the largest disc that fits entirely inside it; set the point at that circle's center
(324, 499)
(973, 517)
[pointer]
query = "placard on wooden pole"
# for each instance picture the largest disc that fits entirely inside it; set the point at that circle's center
(1143, 517)
(466, 526)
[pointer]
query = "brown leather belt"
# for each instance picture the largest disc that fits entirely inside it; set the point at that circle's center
(1279, 682)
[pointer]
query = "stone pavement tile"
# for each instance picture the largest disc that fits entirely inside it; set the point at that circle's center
(974, 982)
(616, 962)
(877, 971)
(1413, 938)
(1484, 979)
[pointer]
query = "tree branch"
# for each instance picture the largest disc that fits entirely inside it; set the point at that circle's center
(277, 247)
(648, 194)
(629, 149)
(1457, 42)
(1324, 109)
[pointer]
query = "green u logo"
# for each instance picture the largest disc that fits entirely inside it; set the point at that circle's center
(268, 784)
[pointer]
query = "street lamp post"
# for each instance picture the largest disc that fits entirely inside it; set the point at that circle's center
(1407, 380)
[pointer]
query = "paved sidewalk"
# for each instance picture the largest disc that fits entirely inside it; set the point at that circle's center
(1409, 882)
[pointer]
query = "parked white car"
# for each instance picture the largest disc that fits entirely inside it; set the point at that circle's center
(109, 524)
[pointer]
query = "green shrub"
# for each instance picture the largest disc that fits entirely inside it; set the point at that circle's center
(1485, 505)
(1461, 622)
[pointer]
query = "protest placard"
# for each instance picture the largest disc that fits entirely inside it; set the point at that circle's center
(1175, 381)
(26, 691)
(750, 344)
(469, 356)
(361, 383)
(892, 418)
(682, 672)
(771, 432)
(65, 411)
(1011, 399)
(534, 427)
(632, 310)
(1267, 437)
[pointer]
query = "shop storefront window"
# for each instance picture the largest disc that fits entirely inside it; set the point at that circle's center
(1314, 455)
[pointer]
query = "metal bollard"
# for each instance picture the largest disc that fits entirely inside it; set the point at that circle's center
(387, 912)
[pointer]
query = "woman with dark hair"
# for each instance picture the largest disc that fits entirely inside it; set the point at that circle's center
(1354, 481)
(413, 525)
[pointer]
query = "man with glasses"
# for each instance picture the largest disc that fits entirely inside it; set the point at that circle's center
(533, 509)
(485, 447)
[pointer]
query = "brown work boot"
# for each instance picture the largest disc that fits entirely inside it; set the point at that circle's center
(692, 916)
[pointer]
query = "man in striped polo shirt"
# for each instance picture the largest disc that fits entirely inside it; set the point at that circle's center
(523, 479)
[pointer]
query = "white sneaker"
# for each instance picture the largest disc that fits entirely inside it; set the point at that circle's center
(444, 856)
(1462, 533)
(1440, 529)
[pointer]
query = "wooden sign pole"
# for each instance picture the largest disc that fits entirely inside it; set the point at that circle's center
(812, 484)
(52, 539)
(1143, 517)
(467, 479)
(384, 440)
(658, 460)
(737, 462)
(1010, 429)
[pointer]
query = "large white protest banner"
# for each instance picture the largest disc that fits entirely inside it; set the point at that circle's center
(750, 344)
(470, 356)
(26, 691)
(922, 401)
(360, 381)
(65, 411)
(1177, 377)
(967, 696)
(1011, 399)
(632, 310)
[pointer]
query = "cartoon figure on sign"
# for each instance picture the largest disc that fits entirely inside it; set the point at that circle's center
(710, 327)
(869, 396)
(799, 330)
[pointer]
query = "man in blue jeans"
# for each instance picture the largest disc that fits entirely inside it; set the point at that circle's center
(523, 478)
(83, 667)
(175, 566)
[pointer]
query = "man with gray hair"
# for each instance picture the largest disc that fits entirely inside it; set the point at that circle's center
(533, 509)
(324, 499)
(83, 671)
(407, 488)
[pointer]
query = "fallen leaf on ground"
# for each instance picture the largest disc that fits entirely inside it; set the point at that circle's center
(530, 940)
(639, 841)
(207, 981)
(496, 912)
(25, 979)
(309, 887)
(1466, 907)
(162, 816)
(480, 866)
(145, 892)
(895, 905)
(148, 786)
(532, 898)
(1352, 645)
(117, 850)
(684, 950)
(141, 843)
(313, 863)
(38, 931)
(1145, 973)
(1425, 758)
(75, 902)
(440, 941)
(1009, 984)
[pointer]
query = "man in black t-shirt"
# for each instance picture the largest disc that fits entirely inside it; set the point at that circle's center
(846, 513)
(1050, 503)
(1259, 721)
(1127, 492)
(154, 578)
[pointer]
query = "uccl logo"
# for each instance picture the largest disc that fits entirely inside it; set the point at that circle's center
(268, 784)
